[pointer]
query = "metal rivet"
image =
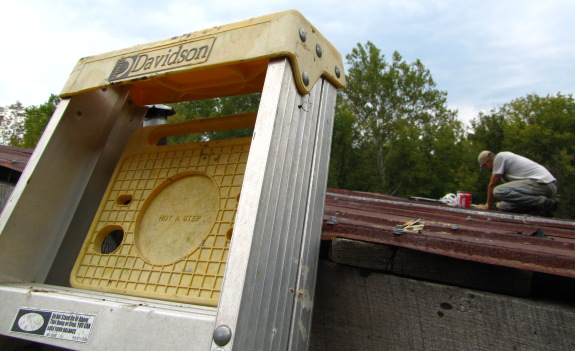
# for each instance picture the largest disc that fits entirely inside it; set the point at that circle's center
(337, 72)
(302, 35)
(318, 50)
(305, 78)
(222, 335)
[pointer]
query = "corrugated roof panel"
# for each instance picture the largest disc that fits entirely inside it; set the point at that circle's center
(519, 241)
(14, 158)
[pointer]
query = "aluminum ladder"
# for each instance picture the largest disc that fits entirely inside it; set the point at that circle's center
(267, 290)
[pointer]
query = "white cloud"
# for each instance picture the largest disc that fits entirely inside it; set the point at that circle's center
(466, 113)
(481, 53)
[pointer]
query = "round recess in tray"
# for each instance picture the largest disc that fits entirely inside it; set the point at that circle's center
(177, 217)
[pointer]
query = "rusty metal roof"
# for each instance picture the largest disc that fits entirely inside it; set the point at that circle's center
(525, 242)
(14, 158)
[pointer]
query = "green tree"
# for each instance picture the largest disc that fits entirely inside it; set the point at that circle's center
(23, 126)
(37, 118)
(345, 160)
(404, 134)
(488, 132)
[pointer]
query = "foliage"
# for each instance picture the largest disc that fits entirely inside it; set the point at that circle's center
(345, 155)
(37, 118)
(217, 107)
(398, 135)
(488, 132)
(23, 126)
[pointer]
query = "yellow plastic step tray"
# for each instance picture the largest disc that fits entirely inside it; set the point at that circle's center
(164, 225)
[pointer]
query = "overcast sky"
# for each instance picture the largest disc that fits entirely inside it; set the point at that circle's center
(482, 53)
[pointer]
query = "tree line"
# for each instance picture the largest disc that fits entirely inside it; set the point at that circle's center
(393, 131)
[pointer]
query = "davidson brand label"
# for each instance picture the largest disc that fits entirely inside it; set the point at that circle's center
(165, 59)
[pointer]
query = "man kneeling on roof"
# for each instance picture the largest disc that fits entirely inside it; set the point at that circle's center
(527, 186)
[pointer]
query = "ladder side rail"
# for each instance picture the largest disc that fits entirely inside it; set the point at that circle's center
(68, 152)
(271, 223)
(284, 226)
(125, 123)
(307, 273)
(236, 275)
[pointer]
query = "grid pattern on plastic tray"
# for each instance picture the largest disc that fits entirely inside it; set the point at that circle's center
(196, 278)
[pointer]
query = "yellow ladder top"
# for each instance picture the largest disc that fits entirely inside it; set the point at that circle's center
(221, 61)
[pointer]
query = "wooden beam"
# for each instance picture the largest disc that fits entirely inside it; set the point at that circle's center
(359, 309)
(437, 268)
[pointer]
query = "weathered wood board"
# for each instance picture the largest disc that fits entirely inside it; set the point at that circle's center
(359, 309)
(423, 265)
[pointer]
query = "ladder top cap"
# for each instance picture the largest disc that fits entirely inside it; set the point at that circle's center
(242, 47)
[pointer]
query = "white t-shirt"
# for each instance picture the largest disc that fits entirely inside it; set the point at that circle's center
(515, 167)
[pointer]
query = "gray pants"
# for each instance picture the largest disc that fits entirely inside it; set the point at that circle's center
(521, 195)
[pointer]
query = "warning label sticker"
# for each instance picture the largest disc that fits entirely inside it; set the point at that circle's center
(54, 324)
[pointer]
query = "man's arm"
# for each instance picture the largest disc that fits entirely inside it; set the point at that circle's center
(495, 178)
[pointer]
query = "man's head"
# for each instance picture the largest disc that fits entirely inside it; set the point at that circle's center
(485, 160)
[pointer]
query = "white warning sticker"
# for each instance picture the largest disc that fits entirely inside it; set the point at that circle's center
(54, 324)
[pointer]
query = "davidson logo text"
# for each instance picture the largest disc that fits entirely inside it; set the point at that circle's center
(162, 60)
